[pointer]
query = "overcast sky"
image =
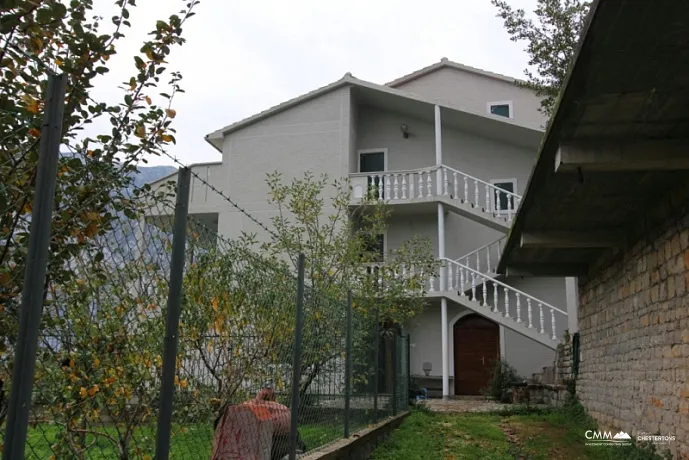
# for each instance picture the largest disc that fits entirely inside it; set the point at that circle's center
(244, 56)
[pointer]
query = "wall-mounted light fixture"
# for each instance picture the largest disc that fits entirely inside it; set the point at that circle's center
(405, 130)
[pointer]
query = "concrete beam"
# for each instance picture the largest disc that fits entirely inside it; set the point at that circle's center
(633, 155)
(564, 239)
(547, 270)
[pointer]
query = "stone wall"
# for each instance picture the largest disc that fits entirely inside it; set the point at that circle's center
(563, 361)
(634, 327)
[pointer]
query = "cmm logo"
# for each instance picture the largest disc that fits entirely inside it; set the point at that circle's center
(606, 437)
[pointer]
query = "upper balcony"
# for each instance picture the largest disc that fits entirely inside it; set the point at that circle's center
(420, 190)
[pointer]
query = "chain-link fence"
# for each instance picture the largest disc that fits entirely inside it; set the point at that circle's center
(153, 334)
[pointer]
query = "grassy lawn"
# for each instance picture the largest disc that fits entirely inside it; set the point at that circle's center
(538, 435)
(189, 441)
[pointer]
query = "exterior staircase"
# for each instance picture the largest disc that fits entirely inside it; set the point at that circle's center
(471, 280)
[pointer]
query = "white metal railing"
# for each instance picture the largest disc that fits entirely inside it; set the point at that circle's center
(501, 298)
(484, 259)
(436, 181)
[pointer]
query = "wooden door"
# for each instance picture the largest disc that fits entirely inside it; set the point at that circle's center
(476, 347)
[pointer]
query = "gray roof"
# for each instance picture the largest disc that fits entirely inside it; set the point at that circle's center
(215, 137)
(445, 63)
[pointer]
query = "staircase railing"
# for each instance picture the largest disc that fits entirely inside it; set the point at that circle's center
(501, 298)
(478, 193)
(484, 259)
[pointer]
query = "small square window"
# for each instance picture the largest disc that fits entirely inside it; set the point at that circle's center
(502, 110)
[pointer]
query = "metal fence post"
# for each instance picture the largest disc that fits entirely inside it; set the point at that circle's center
(174, 306)
(394, 373)
(376, 368)
(296, 362)
(31, 308)
(348, 365)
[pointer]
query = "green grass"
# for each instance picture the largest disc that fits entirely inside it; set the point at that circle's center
(537, 435)
(187, 442)
(444, 436)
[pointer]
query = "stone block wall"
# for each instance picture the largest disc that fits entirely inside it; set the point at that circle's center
(563, 361)
(634, 327)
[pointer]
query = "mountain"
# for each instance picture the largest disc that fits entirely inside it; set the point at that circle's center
(151, 173)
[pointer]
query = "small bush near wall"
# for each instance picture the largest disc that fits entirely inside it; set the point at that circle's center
(504, 378)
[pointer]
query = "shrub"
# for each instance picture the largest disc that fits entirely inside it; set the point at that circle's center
(504, 376)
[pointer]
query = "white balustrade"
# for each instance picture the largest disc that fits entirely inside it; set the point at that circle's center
(404, 186)
(396, 188)
(473, 283)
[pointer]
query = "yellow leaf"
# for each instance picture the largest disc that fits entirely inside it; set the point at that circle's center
(171, 113)
(166, 138)
(82, 392)
(93, 390)
(148, 100)
(132, 84)
(183, 383)
(58, 62)
(96, 363)
(147, 457)
(35, 132)
(214, 302)
(140, 131)
(89, 153)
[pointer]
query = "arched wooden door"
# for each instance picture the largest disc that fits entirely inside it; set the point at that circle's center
(476, 349)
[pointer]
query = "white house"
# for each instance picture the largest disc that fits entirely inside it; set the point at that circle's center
(452, 147)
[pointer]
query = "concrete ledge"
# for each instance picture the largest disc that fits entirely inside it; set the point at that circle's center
(360, 444)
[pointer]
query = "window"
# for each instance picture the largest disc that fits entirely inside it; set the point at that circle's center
(503, 202)
(373, 161)
(501, 108)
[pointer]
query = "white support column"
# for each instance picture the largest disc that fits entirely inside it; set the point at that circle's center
(441, 245)
(438, 152)
(445, 353)
(572, 294)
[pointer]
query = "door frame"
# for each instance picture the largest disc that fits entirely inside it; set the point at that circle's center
(364, 151)
(451, 339)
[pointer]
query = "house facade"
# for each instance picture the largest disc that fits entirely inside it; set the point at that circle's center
(450, 148)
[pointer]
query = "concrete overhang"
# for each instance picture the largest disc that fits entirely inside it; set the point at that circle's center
(617, 145)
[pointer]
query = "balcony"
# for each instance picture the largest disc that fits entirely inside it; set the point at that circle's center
(419, 190)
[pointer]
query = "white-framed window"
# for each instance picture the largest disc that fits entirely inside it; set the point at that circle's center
(503, 202)
(501, 109)
(373, 161)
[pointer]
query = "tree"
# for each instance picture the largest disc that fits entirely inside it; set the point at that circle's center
(39, 37)
(551, 38)
(343, 252)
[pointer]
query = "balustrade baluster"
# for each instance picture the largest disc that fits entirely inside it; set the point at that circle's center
(462, 291)
(429, 184)
(455, 184)
(396, 188)
(495, 297)
(432, 283)
(497, 201)
(387, 186)
(540, 310)
(466, 190)
(421, 184)
(552, 320)
(528, 304)
(475, 203)
(485, 292)
(478, 261)
(404, 186)
(487, 208)
(450, 285)
(379, 177)
(473, 286)
(507, 303)
(445, 183)
(519, 308)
